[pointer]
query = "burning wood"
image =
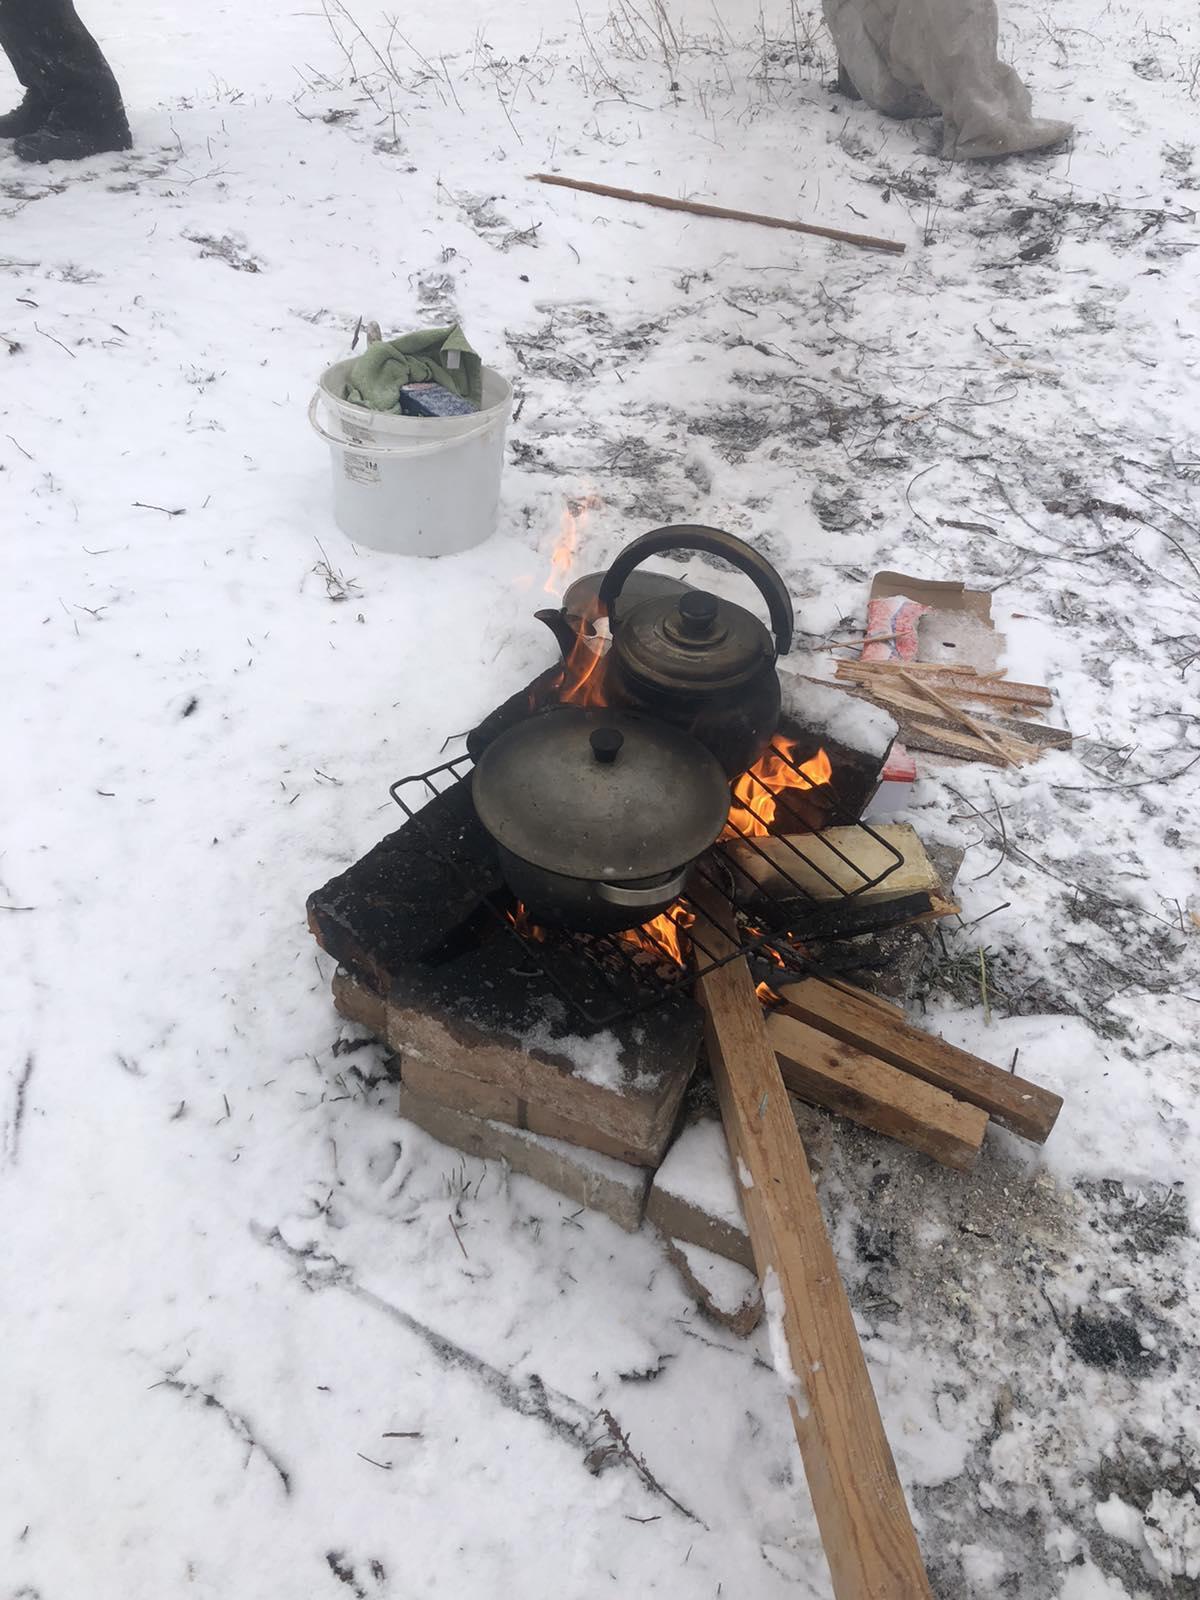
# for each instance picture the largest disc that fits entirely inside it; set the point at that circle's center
(756, 792)
(888, 861)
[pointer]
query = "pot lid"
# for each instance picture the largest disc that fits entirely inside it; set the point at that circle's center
(600, 794)
(694, 642)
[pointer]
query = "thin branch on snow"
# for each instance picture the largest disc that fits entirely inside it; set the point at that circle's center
(1078, 888)
(18, 1116)
(618, 1447)
(1138, 783)
(236, 1423)
(562, 1415)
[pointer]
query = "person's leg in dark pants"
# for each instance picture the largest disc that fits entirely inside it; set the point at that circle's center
(72, 106)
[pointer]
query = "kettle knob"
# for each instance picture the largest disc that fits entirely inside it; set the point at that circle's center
(697, 613)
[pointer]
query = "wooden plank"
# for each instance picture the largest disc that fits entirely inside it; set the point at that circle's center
(923, 726)
(963, 671)
(945, 740)
(972, 686)
(946, 722)
(904, 707)
(847, 919)
(860, 1507)
(866, 995)
(917, 733)
(837, 862)
(885, 693)
(1040, 734)
(992, 693)
(1015, 1103)
(828, 1073)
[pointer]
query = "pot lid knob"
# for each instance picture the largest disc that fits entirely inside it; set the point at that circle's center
(605, 743)
(697, 613)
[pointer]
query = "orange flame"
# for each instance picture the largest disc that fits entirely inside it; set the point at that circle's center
(562, 557)
(582, 684)
(754, 793)
(662, 938)
(525, 925)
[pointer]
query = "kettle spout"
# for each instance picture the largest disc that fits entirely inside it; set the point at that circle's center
(564, 634)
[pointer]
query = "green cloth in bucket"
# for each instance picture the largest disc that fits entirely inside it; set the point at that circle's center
(436, 355)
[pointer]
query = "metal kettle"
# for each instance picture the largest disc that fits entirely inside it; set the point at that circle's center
(695, 660)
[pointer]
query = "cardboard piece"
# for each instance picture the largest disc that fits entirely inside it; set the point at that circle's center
(956, 629)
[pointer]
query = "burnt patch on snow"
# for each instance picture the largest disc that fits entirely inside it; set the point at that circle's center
(1139, 1222)
(1111, 1341)
(837, 506)
(232, 251)
(735, 431)
(344, 1573)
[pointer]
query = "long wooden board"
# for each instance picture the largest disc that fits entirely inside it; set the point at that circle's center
(870, 1092)
(859, 1503)
(1015, 1103)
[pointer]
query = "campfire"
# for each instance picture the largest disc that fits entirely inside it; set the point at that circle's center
(648, 845)
(788, 854)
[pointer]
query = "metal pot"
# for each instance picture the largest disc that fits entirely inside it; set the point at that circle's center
(694, 660)
(598, 815)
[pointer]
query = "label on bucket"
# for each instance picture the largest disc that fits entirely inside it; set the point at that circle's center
(360, 469)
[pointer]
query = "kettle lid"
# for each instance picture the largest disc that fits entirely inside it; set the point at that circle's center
(693, 642)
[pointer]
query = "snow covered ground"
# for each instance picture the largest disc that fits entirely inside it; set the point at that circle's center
(243, 1353)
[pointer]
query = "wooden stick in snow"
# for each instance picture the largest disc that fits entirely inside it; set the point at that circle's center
(859, 1503)
(697, 208)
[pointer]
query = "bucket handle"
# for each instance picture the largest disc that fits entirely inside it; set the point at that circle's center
(384, 449)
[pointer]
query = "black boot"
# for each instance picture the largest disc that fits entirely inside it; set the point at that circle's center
(73, 131)
(28, 117)
(56, 59)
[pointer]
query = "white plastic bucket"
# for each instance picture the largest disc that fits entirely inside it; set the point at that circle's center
(415, 486)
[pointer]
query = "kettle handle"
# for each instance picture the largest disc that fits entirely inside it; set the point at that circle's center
(690, 536)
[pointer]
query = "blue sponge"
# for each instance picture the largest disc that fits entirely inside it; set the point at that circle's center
(431, 400)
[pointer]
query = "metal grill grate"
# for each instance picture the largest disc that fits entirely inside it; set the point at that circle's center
(639, 969)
